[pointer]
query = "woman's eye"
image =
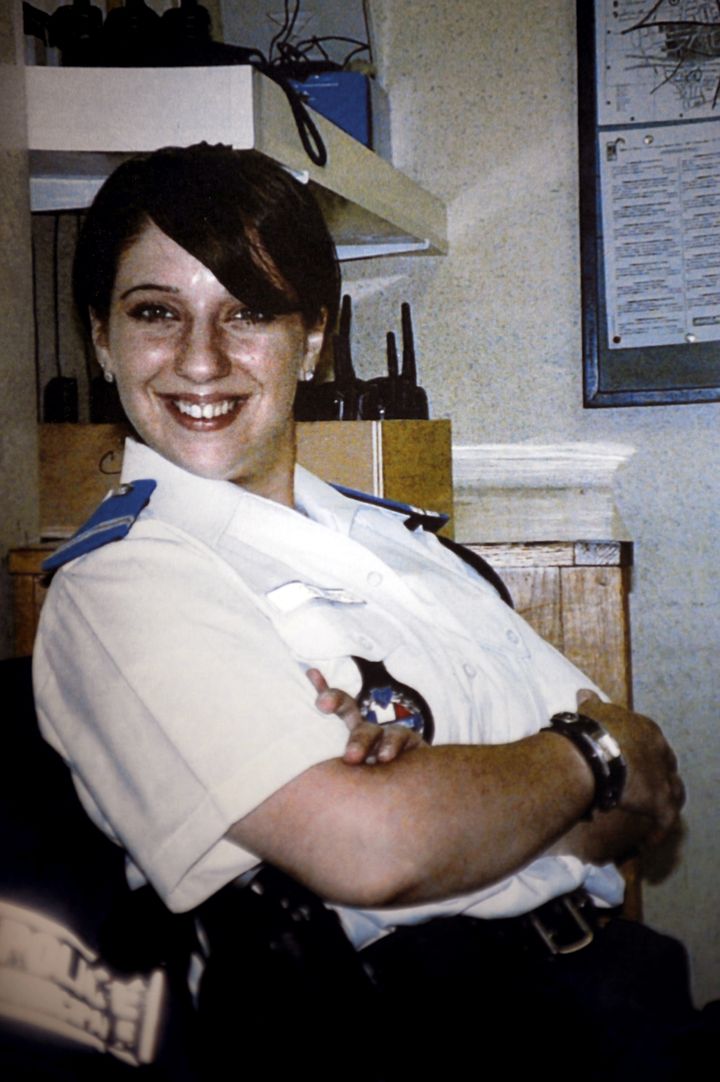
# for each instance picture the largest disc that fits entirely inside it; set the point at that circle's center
(151, 313)
(249, 318)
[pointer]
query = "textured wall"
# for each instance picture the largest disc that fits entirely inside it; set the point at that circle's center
(483, 107)
(18, 433)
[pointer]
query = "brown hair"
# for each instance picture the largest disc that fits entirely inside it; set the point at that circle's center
(258, 230)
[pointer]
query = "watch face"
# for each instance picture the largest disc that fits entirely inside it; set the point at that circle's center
(609, 745)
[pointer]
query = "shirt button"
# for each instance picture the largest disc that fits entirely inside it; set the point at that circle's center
(469, 669)
(512, 637)
(365, 642)
(374, 578)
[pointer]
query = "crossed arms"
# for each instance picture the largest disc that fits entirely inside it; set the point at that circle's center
(422, 824)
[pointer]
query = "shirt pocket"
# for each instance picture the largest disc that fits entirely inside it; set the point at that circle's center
(319, 629)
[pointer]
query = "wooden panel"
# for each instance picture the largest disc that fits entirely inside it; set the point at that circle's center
(595, 627)
(556, 553)
(532, 554)
(582, 611)
(606, 553)
(536, 594)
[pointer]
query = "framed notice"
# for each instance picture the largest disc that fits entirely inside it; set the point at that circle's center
(649, 117)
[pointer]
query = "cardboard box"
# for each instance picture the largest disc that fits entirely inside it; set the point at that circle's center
(401, 460)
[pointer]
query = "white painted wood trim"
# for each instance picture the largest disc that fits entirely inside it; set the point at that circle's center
(537, 492)
(524, 465)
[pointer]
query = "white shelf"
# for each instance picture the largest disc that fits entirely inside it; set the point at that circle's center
(83, 121)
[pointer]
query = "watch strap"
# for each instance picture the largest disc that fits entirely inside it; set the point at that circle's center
(601, 752)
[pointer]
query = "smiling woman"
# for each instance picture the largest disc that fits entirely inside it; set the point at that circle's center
(171, 669)
(205, 382)
(208, 280)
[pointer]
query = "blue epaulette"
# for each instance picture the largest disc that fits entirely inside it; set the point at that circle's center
(111, 521)
(417, 516)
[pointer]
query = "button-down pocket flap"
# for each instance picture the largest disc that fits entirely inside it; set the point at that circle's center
(319, 627)
(291, 595)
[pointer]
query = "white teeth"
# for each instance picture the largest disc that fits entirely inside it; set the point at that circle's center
(207, 411)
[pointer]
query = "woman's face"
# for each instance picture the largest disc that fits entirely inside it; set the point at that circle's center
(205, 382)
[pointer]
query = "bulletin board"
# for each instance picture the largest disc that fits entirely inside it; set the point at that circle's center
(649, 126)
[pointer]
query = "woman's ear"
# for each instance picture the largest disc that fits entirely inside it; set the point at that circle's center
(314, 339)
(98, 332)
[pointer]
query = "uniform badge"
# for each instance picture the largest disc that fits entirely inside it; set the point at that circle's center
(383, 700)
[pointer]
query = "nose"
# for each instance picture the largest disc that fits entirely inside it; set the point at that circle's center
(201, 357)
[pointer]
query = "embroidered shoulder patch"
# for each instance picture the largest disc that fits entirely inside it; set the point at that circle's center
(417, 516)
(111, 521)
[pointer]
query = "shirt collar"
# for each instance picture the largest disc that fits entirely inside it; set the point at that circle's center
(206, 506)
(321, 502)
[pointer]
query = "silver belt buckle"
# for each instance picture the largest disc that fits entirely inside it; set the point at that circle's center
(548, 935)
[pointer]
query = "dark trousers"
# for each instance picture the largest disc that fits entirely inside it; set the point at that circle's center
(452, 999)
(460, 1001)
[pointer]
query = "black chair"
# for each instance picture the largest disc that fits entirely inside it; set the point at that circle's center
(74, 1003)
(82, 958)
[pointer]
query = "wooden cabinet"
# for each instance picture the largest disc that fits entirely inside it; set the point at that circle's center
(575, 594)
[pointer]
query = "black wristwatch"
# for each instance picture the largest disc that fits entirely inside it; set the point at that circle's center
(602, 754)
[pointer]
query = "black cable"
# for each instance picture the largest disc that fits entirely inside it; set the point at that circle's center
(316, 43)
(310, 137)
(352, 53)
(282, 32)
(293, 20)
(277, 36)
(289, 54)
(333, 37)
(366, 20)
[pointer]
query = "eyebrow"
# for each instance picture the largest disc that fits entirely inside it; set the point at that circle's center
(153, 286)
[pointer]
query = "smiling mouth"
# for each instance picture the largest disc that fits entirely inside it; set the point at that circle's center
(208, 411)
(205, 416)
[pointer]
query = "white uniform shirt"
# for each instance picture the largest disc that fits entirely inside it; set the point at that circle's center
(170, 671)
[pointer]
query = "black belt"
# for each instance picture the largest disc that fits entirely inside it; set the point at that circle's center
(564, 925)
(561, 926)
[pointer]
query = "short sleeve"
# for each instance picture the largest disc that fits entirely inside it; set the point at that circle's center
(177, 706)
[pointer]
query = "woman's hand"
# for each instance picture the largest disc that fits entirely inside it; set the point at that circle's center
(649, 811)
(654, 788)
(368, 743)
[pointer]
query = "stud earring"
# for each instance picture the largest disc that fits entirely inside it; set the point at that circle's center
(109, 377)
(306, 377)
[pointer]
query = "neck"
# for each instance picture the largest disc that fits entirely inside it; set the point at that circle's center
(276, 481)
(279, 489)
